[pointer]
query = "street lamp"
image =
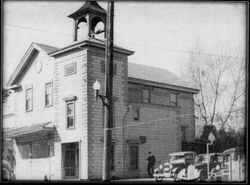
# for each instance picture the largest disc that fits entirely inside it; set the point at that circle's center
(97, 88)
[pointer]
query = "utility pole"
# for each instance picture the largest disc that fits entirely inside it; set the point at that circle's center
(108, 120)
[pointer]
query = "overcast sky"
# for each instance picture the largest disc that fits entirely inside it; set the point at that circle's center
(162, 34)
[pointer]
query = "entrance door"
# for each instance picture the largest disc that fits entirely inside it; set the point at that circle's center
(70, 158)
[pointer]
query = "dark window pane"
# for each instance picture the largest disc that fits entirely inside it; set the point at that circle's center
(48, 94)
(28, 99)
(70, 122)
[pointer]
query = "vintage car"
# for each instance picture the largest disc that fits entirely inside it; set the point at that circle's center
(233, 166)
(162, 172)
(177, 161)
(7, 171)
(215, 161)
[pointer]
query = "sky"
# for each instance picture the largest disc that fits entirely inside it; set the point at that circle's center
(162, 34)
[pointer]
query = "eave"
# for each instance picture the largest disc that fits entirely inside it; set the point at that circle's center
(163, 85)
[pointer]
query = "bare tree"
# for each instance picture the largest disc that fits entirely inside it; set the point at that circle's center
(221, 80)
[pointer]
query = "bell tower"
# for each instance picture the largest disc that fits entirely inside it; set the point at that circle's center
(90, 13)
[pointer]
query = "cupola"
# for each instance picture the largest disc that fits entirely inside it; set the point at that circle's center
(92, 14)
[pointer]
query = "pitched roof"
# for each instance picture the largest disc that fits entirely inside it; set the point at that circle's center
(32, 51)
(46, 48)
(89, 6)
(155, 74)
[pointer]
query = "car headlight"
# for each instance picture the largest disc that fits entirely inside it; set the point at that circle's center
(170, 166)
(217, 167)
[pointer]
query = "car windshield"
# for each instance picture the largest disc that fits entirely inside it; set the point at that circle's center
(176, 157)
(201, 158)
(213, 158)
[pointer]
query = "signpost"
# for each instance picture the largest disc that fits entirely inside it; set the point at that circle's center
(211, 138)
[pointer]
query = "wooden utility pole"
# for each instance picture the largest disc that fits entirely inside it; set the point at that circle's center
(108, 120)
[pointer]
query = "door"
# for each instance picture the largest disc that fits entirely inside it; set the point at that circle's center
(70, 158)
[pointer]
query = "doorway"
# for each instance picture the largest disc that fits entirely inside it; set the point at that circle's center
(70, 160)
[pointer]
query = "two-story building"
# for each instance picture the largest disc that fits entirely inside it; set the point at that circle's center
(57, 125)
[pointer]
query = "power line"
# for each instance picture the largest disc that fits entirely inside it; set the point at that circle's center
(35, 29)
(133, 44)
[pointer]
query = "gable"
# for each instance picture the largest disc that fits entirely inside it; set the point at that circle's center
(28, 59)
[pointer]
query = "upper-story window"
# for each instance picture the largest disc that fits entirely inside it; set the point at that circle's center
(173, 99)
(70, 69)
(29, 99)
(48, 94)
(70, 114)
(145, 96)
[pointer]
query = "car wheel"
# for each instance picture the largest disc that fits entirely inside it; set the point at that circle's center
(202, 176)
(175, 176)
(159, 178)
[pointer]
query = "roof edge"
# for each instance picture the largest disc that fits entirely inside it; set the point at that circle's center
(163, 85)
(88, 43)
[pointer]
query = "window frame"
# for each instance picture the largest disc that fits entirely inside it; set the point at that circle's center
(31, 99)
(73, 112)
(27, 150)
(142, 97)
(130, 157)
(173, 103)
(45, 96)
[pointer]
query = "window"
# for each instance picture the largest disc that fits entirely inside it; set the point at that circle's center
(145, 96)
(35, 150)
(136, 114)
(133, 156)
(70, 69)
(173, 99)
(112, 157)
(29, 99)
(103, 67)
(183, 134)
(48, 94)
(70, 114)
(134, 94)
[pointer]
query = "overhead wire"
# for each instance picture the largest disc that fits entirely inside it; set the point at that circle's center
(133, 44)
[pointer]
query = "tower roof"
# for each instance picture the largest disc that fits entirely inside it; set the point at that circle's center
(89, 6)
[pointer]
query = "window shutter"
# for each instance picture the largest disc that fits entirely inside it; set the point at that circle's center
(70, 69)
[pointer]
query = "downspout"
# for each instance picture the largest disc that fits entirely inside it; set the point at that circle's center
(123, 138)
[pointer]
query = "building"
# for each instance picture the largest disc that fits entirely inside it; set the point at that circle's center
(56, 124)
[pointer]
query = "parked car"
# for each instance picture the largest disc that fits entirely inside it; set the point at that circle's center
(232, 167)
(7, 171)
(162, 172)
(215, 161)
(177, 161)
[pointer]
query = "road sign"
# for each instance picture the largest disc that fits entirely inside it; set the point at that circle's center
(211, 137)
